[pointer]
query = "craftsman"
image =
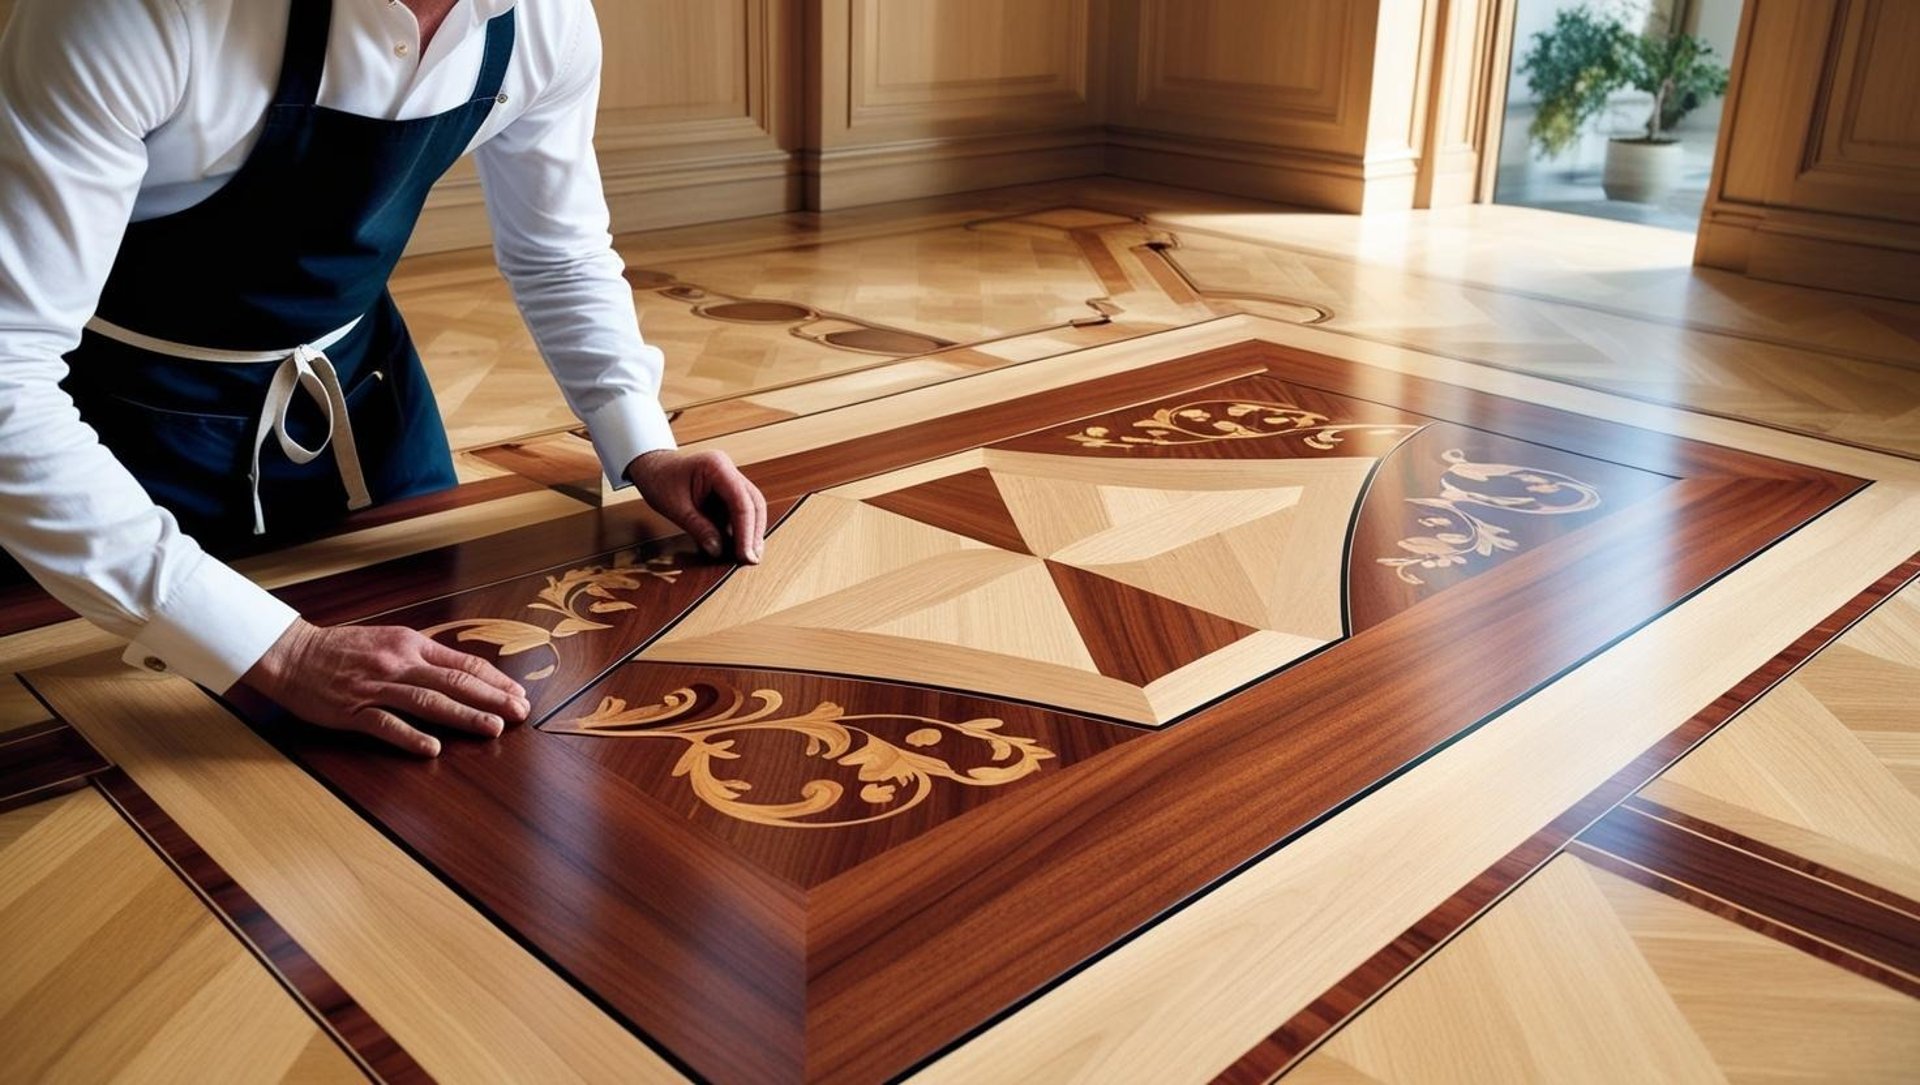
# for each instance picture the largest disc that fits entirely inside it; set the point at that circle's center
(200, 204)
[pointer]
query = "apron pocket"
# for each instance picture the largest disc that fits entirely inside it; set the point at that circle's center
(194, 464)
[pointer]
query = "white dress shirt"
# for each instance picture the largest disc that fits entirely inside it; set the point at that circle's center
(122, 110)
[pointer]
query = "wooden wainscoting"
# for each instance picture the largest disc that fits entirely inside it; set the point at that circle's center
(1342, 104)
(1818, 176)
(697, 105)
(918, 97)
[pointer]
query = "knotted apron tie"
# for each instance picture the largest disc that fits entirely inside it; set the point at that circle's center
(304, 369)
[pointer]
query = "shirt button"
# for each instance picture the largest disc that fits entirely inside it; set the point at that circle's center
(400, 49)
(154, 663)
(500, 98)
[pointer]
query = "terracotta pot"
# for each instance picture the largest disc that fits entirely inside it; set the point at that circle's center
(1641, 171)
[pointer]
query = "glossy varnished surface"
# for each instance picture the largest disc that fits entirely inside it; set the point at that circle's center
(822, 861)
(1363, 894)
(135, 981)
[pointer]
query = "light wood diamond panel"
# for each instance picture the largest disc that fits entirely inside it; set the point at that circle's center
(1004, 572)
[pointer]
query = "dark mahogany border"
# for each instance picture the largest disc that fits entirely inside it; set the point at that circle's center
(1854, 924)
(859, 957)
(378, 1054)
(1321, 1017)
(42, 760)
(1778, 856)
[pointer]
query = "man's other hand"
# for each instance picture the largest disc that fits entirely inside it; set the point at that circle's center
(365, 677)
(702, 491)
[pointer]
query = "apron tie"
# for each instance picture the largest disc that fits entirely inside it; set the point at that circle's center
(304, 369)
(308, 370)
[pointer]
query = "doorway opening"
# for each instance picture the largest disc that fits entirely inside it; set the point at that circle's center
(1613, 107)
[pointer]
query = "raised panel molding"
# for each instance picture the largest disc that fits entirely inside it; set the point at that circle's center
(966, 57)
(1243, 57)
(1317, 102)
(918, 69)
(921, 97)
(1817, 180)
(1868, 121)
(694, 123)
(1292, 75)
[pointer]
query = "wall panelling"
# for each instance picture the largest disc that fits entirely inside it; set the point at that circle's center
(1818, 179)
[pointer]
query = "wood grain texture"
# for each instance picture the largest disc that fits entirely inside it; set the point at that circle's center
(116, 971)
(319, 993)
(1775, 855)
(43, 760)
(1190, 544)
(403, 945)
(555, 631)
(850, 972)
(1584, 975)
(1312, 1023)
(1822, 769)
(1754, 921)
(1856, 925)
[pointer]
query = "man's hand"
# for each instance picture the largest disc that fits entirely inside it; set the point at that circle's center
(361, 677)
(692, 488)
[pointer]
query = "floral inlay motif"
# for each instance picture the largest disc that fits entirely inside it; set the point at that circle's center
(1232, 420)
(1460, 535)
(590, 587)
(896, 778)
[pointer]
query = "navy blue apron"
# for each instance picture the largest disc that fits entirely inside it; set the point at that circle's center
(298, 244)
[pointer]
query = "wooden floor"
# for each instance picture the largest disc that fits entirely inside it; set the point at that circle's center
(1198, 642)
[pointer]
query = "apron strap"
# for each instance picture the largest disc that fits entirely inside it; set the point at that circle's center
(493, 70)
(309, 25)
(306, 369)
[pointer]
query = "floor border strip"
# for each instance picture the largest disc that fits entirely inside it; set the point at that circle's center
(363, 1039)
(1323, 1016)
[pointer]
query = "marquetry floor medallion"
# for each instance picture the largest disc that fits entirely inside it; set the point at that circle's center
(822, 802)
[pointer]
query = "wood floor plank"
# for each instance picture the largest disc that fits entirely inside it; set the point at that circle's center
(1582, 975)
(1853, 923)
(400, 942)
(115, 970)
(1231, 965)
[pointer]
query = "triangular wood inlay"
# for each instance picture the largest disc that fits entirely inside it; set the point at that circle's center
(968, 503)
(1137, 636)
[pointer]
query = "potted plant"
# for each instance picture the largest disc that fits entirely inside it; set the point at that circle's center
(1574, 68)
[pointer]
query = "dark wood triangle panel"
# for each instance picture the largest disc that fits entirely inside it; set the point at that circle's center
(1163, 636)
(968, 503)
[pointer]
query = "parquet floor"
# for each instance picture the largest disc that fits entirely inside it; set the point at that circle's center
(1005, 277)
(1199, 641)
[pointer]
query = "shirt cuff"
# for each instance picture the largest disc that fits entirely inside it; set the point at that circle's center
(624, 429)
(213, 629)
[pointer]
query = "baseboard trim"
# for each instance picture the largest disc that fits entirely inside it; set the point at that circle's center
(843, 177)
(1336, 181)
(1829, 252)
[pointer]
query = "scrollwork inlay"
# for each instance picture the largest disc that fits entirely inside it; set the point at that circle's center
(591, 587)
(1460, 535)
(895, 777)
(1232, 420)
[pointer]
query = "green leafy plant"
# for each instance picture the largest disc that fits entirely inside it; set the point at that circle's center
(1680, 72)
(1573, 67)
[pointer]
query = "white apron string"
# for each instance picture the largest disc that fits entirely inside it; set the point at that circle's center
(306, 368)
